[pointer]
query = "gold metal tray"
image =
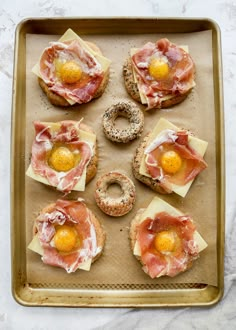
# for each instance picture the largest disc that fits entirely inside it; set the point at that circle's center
(114, 33)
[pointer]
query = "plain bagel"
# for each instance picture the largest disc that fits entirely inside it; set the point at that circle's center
(132, 113)
(115, 207)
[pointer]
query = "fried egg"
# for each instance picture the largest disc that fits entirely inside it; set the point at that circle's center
(167, 157)
(66, 238)
(70, 72)
(63, 157)
(167, 241)
(158, 67)
(171, 161)
(68, 69)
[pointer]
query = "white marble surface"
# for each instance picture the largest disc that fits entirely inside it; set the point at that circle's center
(14, 316)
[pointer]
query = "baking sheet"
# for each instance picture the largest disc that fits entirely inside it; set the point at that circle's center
(117, 268)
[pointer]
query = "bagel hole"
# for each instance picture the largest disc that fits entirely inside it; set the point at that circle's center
(122, 122)
(114, 190)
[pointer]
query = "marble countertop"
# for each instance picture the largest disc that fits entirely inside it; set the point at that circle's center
(15, 316)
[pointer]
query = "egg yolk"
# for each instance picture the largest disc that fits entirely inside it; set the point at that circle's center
(171, 162)
(62, 159)
(158, 69)
(165, 241)
(70, 72)
(66, 238)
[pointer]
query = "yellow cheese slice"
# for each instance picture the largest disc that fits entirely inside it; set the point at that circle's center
(35, 246)
(158, 205)
(198, 145)
(71, 35)
(36, 70)
(142, 95)
(84, 136)
(80, 185)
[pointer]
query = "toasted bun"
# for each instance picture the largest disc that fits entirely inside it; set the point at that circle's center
(60, 101)
(153, 184)
(132, 87)
(100, 233)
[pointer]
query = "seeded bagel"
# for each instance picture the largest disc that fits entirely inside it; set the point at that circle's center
(130, 84)
(132, 113)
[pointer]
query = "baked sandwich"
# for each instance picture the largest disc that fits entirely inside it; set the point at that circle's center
(68, 235)
(169, 159)
(71, 71)
(159, 74)
(64, 155)
(164, 240)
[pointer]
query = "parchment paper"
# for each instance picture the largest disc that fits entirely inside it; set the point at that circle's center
(117, 267)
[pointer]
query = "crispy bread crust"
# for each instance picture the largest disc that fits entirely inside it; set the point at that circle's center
(153, 184)
(132, 88)
(133, 229)
(100, 233)
(92, 165)
(58, 100)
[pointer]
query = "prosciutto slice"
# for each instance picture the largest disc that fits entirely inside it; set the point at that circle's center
(156, 263)
(193, 163)
(74, 213)
(43, 143)
(83, 90)
(180, 78)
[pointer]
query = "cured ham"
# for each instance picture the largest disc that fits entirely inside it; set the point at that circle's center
(166, 259)
(51, 62)
(174, 76)
(183, 164)
(73, 214)
(47, 140)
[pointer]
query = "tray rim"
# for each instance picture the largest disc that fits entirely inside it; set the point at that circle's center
(20, 287)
